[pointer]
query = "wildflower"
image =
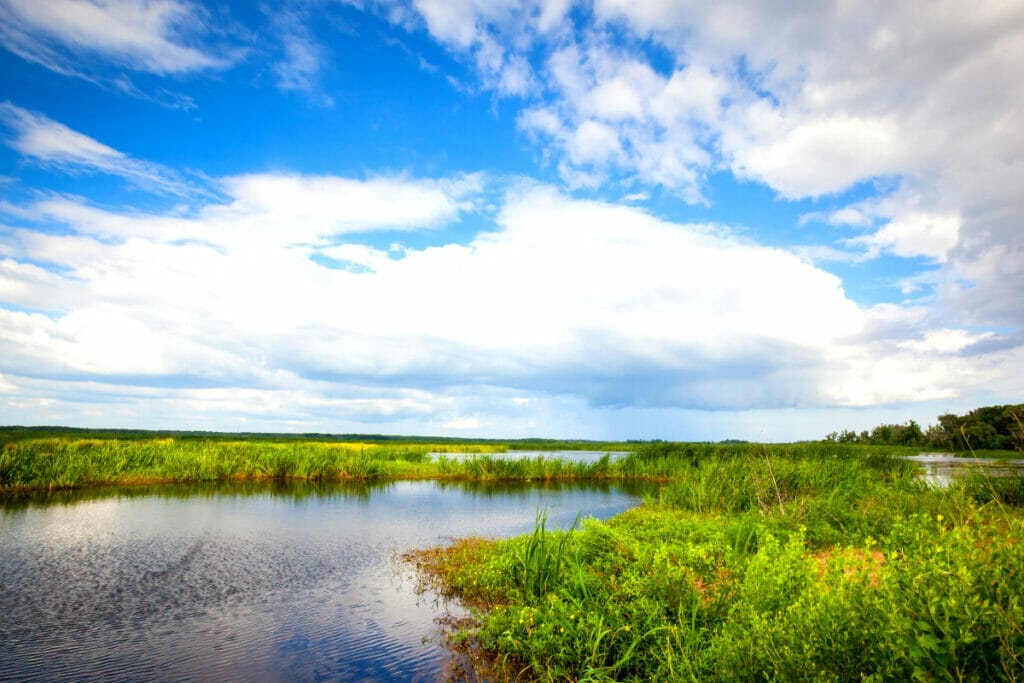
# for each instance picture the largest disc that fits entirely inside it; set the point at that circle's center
(626, 628)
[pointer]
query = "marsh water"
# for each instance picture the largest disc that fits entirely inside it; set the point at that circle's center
(940, 469)
(255, 581)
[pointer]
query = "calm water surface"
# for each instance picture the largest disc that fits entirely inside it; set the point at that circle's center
(270, 581)
(940, 469)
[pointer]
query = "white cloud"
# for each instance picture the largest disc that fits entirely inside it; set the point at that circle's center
(810, 101)
(945, 341)
(359, 255)
(902, 223)
(551, 14)
(568, 297)
(542, 120)
(143, 35)
(53, 144)
(463, 423)
(568, 305)
(267, 211)
(817, 157)
(328, 205)
(494, 34)
(565, 302)
(301, 65)
(693, 92)
(615, 114)
(594, 143)
(915, 234)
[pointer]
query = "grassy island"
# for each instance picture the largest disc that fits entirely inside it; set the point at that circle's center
(61, 462)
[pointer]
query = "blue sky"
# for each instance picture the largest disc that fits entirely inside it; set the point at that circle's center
(610, 219)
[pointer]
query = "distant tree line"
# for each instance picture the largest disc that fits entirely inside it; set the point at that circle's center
(989, 428)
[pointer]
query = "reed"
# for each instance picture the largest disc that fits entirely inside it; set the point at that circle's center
(543, 558)
(64, 463)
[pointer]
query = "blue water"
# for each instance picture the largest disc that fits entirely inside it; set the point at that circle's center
(267, 581)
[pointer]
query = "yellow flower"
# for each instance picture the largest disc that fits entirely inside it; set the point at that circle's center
(626, 628)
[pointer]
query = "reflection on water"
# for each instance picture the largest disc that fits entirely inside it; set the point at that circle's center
(244, 581)
(940, 469)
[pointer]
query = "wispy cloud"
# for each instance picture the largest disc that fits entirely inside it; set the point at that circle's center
(140, 35)
(49, 143)
(272, 211)
(302, 56)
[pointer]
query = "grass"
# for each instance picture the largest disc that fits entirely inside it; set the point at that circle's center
(69, 462)
(815, 561)
(754, 563)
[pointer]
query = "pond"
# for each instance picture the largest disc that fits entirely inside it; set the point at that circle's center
(245, 581)
(940, 469)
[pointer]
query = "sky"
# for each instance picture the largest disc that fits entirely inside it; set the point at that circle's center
(612, 219)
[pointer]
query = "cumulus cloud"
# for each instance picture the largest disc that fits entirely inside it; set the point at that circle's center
(271, 294)
(494, 34)
(599, 303)
(810, 102)
(902, 223)
(614, 114)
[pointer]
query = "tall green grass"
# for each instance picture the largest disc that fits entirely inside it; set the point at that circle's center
(52, 463)
(63, 463)
(750, 564)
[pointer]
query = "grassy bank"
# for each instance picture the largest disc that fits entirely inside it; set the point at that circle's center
(754, 563)
(28, 461)
(63, 462)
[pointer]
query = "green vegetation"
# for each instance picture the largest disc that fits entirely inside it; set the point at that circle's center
(68, 461)
(60, 458)
(438, 443)
(61, 462)
(824, 560)
(993, 428)
(752, 563)
(819, 560)
(63, 457)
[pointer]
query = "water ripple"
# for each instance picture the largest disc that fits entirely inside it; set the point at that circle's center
(240, 587)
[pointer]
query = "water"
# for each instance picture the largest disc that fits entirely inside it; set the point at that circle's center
(268, 581)
(940, 469)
